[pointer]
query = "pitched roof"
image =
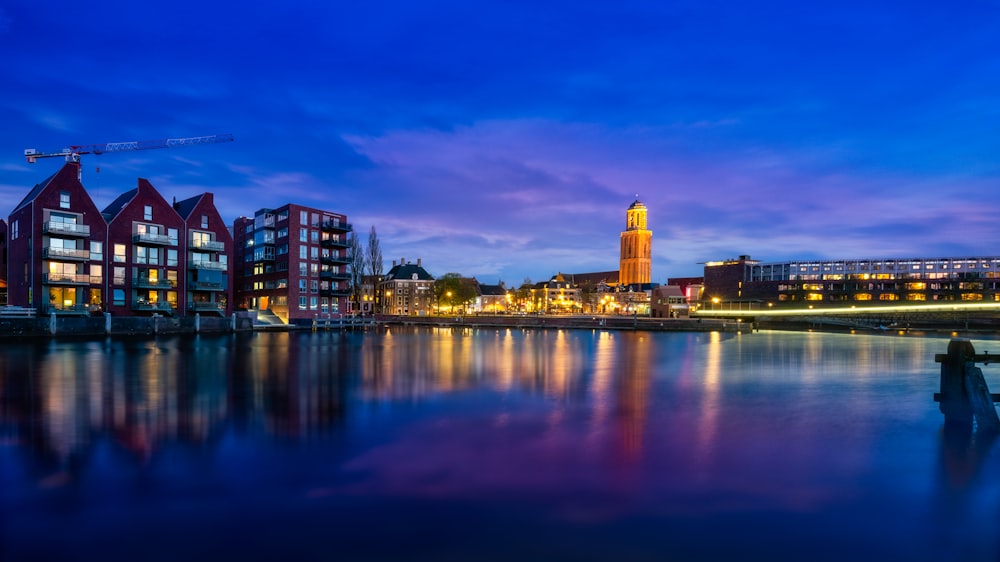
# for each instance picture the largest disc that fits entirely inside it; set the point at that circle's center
(492, 290)
(186, 207)
(116, 206)
(41, 186)
(595, 278)
(406, 271)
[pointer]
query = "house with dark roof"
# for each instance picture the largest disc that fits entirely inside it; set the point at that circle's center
(56, 248)
(145, 262)
(207, 282)
(491, 298)
(407, 289)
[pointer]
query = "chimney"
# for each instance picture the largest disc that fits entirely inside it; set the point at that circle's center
(393, 263)
(418, 262)
(402, 261)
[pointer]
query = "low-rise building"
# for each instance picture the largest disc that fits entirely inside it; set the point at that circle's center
(407, 290)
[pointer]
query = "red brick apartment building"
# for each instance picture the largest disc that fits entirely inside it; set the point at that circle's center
(135, 258)
(292, 263)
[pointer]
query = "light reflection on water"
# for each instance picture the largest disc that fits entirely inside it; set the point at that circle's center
(489, 444)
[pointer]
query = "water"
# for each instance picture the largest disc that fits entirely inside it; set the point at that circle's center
(424, 444)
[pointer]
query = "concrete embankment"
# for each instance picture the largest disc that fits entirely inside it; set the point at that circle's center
(90, 326)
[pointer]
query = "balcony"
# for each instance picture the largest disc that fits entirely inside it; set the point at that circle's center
(205, 264)
(67, 279)
(147, 283)
(336, 226)
(334, 275)
(208, 245)
(332, 243)
(51, 252)
(335, 260)
(68, 309)
(154, 239)
(205, 307)
(334, 292)
(146, 306)
(205, 286)
(66, 229)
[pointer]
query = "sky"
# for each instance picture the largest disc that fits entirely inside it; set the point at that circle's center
(506, 139)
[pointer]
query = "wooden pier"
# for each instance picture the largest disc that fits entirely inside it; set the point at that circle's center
(964, 395)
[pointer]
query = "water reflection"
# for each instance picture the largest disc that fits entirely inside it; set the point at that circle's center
(658, 442)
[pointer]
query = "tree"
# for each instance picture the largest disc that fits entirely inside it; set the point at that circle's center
(374, 261)
(358, 259)
(452, 290)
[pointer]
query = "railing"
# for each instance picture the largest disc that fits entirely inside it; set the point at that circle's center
(65, 253)
(205, 286)
(16, 312)
(204, 264)
(335, 260)
(68, 278)
(66, 228)
(337, 226)
(68, 309)
(146, 305)
(332, 243)
(153, 284)
(334, 275)
(334, 292)
(159, 239)
(205, 306)
(209, 245)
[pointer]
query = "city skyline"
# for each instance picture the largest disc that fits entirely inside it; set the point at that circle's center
(505, 140)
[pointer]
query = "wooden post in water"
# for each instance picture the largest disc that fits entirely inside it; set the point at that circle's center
(964, 395)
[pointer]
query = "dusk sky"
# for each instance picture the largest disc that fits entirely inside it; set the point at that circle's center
(506, 139)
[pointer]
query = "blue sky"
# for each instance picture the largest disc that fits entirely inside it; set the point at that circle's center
(505, 139)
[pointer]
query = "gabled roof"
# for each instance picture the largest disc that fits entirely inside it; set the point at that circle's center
(595, 278)
(492, 290)
(41, 186)
(406, 271)
(116, 206)
(186, 207)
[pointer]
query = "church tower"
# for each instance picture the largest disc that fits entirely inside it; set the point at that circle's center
(636, 248)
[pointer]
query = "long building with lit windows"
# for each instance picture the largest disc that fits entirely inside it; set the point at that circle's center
(870, 281)
(292, 263)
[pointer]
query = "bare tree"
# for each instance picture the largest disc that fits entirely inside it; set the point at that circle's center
(374, 262)
(358, 259)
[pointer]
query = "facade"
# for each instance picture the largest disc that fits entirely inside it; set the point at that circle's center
(145, 245)
(557, 295)
(3, 262)
(407, 289)
(292, 262)
(56, 248)
(207, 282)
(636, 248)
(854, 281)
(491, 299)
(668, 301)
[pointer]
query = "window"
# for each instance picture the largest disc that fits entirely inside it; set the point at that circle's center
(172, 234)
(303, 252)
(96, 274)
(140, 254)
(312, 303)
(147, 212)
(171, 258)
(314, 252)
(204, 221)
(303, 235)
(119, 278)
(302, 303)
(119, 297)
(314, 269)
(303, 269)
(96, 251)
(13, 230)
(302, 285)
(314, 234)
(303, 217)
(64, 200)
(120, 253)
(314, 288)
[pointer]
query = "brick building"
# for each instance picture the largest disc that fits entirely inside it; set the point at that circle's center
(208, 281)
(292, 263)
(56, 247)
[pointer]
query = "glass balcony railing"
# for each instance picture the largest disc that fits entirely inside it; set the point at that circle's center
(67, 279)
(204, 264)
(208, 245)
(157, 239)
(66, 228)
(65, 253)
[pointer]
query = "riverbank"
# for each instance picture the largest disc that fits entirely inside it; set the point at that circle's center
(588, 322)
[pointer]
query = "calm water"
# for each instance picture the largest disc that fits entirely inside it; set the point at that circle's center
(427, 444)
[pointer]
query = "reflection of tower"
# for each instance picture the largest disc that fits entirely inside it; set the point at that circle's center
(636, 247)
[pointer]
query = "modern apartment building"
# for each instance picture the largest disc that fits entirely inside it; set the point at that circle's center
(145, 248)
(208, 245)
(134, 258)
(840, 282)
(56, 247)
(292, 262)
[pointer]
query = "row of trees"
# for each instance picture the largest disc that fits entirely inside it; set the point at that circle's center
(364, 261)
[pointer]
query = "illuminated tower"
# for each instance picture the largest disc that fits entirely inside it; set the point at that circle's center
(636, 247)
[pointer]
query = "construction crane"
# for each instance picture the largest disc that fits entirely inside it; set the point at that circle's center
(72, 153)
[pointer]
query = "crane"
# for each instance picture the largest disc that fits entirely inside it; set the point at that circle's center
(73, 152)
